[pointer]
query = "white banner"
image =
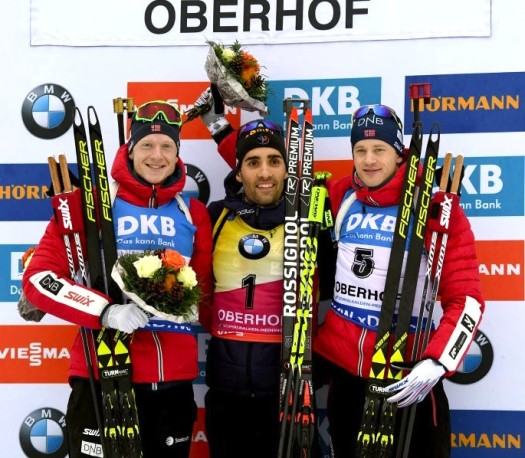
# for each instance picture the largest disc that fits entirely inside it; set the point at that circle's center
(185, 22)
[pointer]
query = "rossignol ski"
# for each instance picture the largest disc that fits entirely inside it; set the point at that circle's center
(444, 200)
(302, 220)
(120, 432)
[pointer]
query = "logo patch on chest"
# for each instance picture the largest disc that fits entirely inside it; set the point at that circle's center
(254, 246)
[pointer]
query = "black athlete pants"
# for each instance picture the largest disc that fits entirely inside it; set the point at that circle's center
(166, 419)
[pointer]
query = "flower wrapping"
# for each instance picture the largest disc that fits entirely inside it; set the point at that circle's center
(236, 74)
(160, 283)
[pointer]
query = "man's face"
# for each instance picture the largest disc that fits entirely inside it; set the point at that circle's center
(375, 161)
(154, 158)
(262, 175)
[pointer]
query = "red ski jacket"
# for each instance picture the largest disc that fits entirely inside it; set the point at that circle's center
(351, 346)
(155, 356)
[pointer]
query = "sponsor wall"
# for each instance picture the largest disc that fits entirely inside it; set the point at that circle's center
(370, 56)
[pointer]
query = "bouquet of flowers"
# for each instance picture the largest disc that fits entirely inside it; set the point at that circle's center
(237, 76)
(159, 282)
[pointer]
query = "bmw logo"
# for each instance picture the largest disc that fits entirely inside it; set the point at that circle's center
(477, 361)
(43, 434)
(199, 181)
(48, 111)
(254, 246)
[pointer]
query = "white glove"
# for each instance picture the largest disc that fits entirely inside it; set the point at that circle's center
(124, 317)
(416, 385)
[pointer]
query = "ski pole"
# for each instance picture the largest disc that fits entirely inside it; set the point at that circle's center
(119, 106)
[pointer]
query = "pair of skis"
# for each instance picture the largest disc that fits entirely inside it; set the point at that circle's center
(118, 421)
(304, 215)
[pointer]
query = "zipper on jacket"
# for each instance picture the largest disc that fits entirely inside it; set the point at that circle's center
(153, 198)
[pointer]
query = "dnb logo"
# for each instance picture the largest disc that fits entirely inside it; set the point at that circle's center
(43, 434)
(477, 361)
(48, 111)
(197, 180)
(254, 246)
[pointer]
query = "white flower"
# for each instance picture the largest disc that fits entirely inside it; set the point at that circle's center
(147, 266)
(186, 275)
(228, 54)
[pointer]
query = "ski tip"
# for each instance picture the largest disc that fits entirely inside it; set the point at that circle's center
(78, 120)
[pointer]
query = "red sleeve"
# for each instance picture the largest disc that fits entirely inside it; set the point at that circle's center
(227, 148)
(201, 260)
(47, 282)
(460, 292)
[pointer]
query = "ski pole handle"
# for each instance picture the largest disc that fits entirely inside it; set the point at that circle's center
(417, 92)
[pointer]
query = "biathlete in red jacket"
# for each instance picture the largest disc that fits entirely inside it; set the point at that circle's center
(371, 196)
(150, 176)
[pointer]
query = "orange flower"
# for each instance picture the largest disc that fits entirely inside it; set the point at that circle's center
(248, 74)
(172, 259)
(170, 281)
(249, 61)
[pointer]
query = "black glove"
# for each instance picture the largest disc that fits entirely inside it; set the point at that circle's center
(211, 110)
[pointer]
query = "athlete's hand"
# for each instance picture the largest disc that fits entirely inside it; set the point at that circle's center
(210, 107)
(124, 317)
(416, 385)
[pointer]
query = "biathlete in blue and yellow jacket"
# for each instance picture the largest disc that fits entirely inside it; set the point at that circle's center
(243, 360)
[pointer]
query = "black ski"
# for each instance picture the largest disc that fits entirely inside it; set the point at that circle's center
(120, 421)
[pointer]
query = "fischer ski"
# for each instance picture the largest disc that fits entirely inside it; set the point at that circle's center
(120, 432)
(375, 411)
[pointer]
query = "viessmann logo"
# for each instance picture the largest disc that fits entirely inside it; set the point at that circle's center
(477, 102)
(35, 354)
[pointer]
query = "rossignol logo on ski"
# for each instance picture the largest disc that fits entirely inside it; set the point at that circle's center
(51, 284)
(291, 270)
